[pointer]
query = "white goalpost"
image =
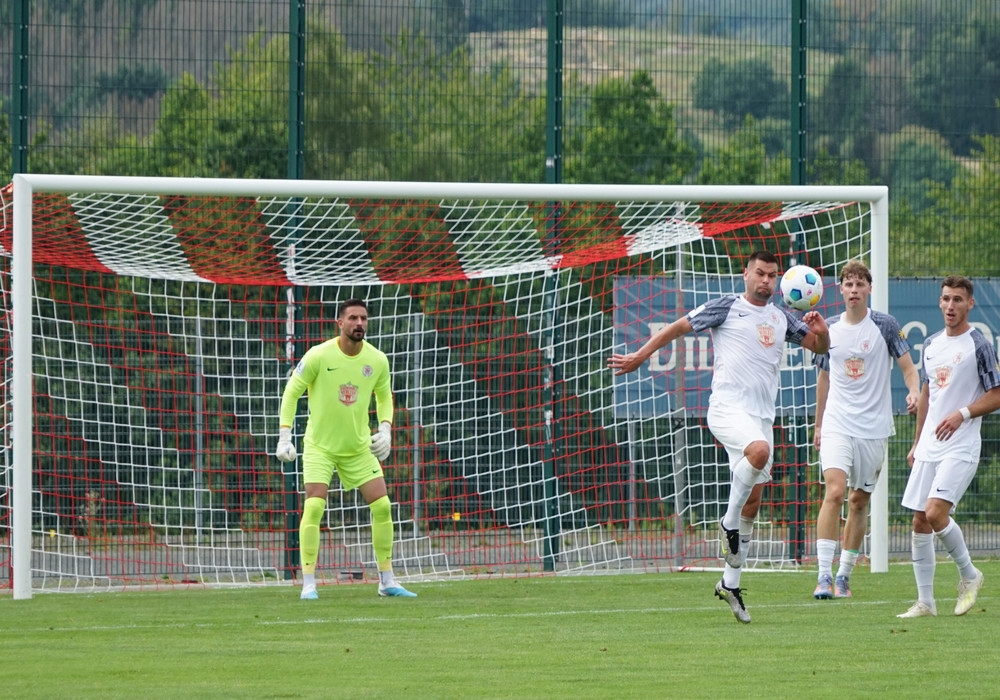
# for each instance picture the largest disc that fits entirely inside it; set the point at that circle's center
(150, 323)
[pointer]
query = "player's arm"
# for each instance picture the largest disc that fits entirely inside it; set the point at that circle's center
(984, 405)
(922, 404)
(294, 388)
(912, 380)
(822, 391)
(381, 443)
(623, 364)
(818, 337)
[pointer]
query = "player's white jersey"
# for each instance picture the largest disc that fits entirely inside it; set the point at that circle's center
(959, 369)
(860, 365)
(748, 343)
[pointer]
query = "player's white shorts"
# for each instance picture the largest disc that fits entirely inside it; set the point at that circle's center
(947, 479)
(860, 458)
(736, 429)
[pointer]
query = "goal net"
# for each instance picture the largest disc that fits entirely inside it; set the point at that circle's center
(149, 325)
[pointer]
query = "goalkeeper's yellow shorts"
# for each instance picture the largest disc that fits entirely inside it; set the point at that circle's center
(318, 467)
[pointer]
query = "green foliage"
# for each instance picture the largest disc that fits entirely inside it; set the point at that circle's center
(630, 136)
(735, 89)
(956, 84)
(914, 159)
(743, 160)
(964, 214)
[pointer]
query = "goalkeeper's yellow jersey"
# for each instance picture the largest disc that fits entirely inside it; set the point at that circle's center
(340, 391)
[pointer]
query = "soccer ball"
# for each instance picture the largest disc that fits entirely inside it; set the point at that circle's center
(801, 287)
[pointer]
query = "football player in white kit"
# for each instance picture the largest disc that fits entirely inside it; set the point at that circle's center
(854, 420)
(961, 385)
(748, 341)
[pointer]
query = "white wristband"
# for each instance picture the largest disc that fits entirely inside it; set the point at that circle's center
(966, 413)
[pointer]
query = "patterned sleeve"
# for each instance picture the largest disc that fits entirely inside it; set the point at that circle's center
(921, 368)
(895, 341)
(986, 360)
(711, 313)
(797, 328)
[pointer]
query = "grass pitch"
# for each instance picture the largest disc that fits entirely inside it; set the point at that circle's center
(582, 637)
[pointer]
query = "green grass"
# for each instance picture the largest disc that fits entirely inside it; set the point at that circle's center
(582, 637)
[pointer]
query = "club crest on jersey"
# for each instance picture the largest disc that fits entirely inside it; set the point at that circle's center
(367, 370)
(854, 367)
(957, 358)
(942, 376)
(766, 335)
(348, 394)
(865, 346)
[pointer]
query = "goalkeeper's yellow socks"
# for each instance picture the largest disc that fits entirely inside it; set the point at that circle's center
(382, 532)
(312, 514)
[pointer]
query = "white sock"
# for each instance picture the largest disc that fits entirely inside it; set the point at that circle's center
(954, 542)
(848, 558)
(308, 580)
(824, 556)
(731, 577)
(386, 578)
(746, 535)
(744, 479)
(922, 551)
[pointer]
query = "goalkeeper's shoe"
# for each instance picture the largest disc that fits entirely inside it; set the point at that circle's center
(842, 587)
(395, 591)
(824, 588)
(309, 592)
(733, 596)
(968, 591)
(731, 546)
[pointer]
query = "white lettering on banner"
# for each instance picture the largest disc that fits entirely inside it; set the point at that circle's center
(656, 361)
(665, 359)
(795, 356)
(918, 347)
(689, 353)
(696, 359)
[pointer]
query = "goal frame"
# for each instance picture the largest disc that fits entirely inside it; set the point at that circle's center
(25, 186)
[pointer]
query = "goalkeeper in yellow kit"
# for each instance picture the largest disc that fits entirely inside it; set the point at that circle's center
(341, 375)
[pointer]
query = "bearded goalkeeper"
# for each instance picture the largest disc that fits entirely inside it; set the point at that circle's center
(341, 375)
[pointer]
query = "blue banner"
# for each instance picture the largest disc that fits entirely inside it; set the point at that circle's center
(679, 376)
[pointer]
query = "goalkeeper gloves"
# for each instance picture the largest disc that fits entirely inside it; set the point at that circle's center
(382, 441)
(286, 448)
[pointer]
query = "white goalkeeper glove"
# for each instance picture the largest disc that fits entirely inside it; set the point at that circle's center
(382, 441)
(286, 448)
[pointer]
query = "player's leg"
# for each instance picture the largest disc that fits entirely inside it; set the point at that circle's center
(922, 538)
(747, 440)
(317, 470)
(952, 480)
(828, 524)
(367, 473)
(867, 461)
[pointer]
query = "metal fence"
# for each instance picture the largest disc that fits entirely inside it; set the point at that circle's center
(756, 91)
(602, 91)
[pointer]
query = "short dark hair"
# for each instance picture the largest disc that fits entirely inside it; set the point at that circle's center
(958, 282)
(765, 256)
(350, 302)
